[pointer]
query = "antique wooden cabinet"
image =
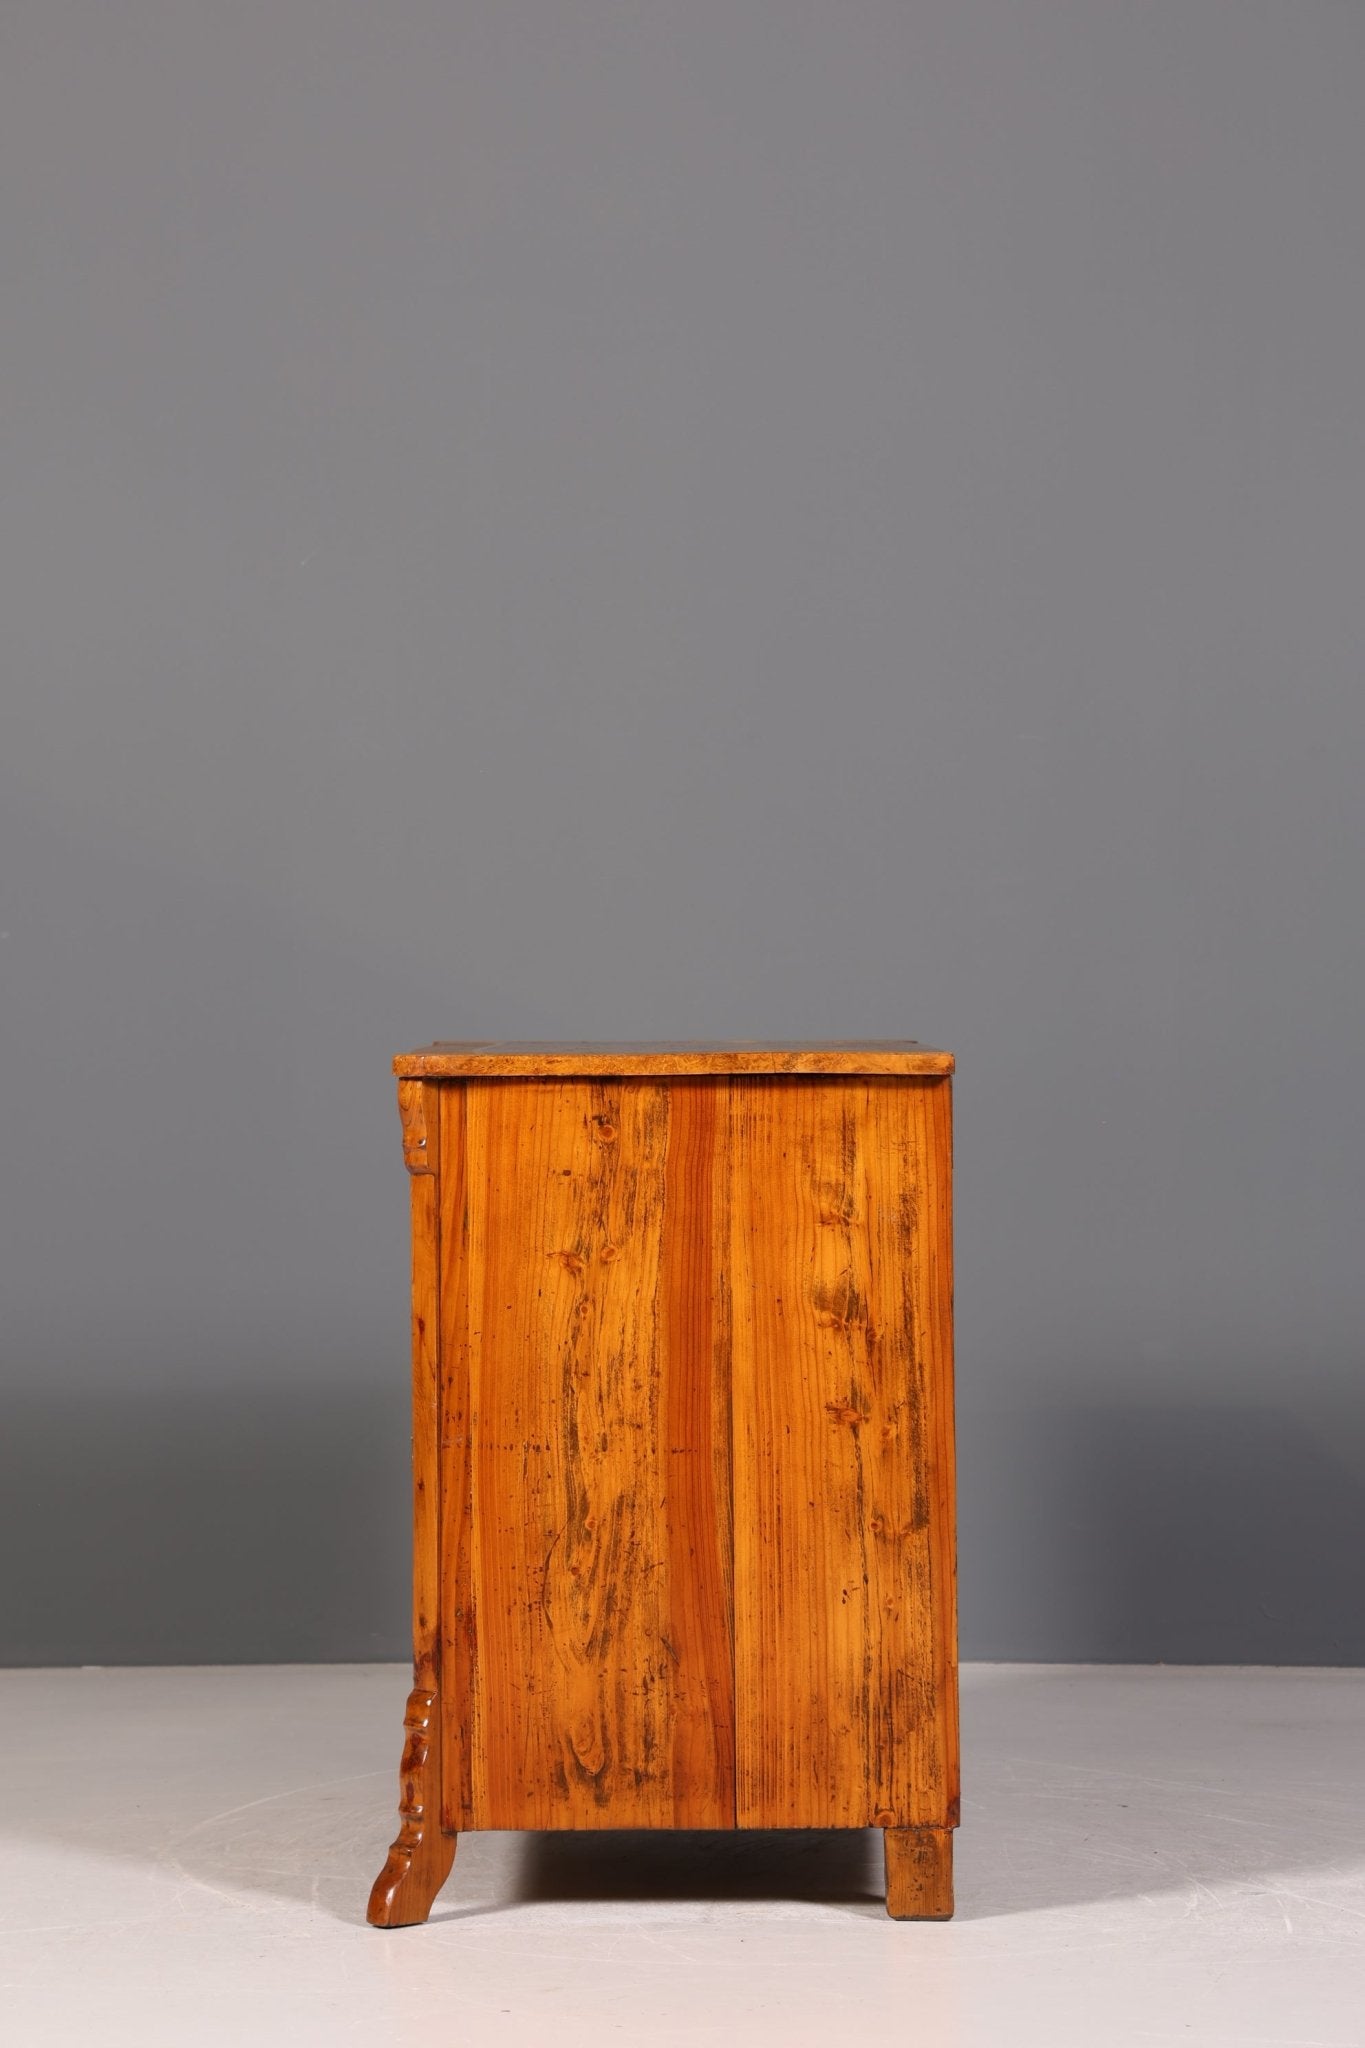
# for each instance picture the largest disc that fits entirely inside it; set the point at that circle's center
(682, 1449)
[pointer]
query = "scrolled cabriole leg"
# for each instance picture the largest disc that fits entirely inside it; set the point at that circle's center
(919, 1873)
(422, 1853)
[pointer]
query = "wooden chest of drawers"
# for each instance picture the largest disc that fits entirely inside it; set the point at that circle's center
(682, 1449)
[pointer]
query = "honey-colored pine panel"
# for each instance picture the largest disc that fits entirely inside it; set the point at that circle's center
(840, 1305)
(587, 1559)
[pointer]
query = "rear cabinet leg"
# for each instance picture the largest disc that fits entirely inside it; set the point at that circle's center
(919, 1873)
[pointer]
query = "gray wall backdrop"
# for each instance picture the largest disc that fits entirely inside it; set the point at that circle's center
(736, 517)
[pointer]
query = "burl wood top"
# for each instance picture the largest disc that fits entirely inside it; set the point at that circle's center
(526, 1059)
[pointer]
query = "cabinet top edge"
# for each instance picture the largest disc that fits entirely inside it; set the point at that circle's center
(529, 1059)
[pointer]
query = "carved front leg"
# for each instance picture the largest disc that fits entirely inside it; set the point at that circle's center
(420, 1859)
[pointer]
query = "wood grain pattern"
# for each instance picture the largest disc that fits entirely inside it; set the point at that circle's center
(587, 1576)
(462, 1059)
(845, 1610)
(420, 1858)
(919, 1873)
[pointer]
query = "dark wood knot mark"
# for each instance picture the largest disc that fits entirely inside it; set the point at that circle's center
(839, 1307)
(844, 1411)
(604, 1130)
(610, 1252)
(572, 1262)
(590, 1751)
(891, 1428)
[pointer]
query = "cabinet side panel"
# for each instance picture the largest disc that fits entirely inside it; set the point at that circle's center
(591, 1591)
(841, 1314)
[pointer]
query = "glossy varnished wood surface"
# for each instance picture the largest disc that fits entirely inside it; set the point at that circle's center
(840, 1318)
(587, 1601)
(451, 1059)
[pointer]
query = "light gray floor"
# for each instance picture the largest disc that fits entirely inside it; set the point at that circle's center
(1146, 1856)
